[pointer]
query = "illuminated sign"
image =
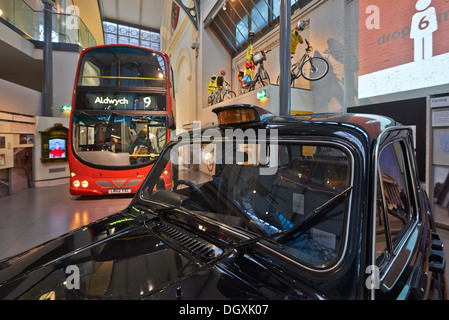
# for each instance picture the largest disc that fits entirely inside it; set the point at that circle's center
(236, 114)
(262, 94)
(403, 46)
(109, 101)
(66, 108)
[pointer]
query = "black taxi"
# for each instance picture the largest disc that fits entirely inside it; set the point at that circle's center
(325, 206)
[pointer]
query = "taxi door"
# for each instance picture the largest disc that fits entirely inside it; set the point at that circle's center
(403, 256)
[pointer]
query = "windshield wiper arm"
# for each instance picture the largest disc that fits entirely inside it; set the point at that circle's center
(143, 211)
(245, 243)
(311, 218)
(297, 229)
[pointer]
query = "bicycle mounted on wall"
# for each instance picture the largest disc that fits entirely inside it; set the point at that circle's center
(311, 68)
(219, 89)
(260, 79)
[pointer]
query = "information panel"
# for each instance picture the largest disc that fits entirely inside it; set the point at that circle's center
(440, 158)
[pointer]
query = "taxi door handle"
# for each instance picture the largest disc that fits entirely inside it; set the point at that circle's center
(437, 261)
(435, 242)
(418, 284)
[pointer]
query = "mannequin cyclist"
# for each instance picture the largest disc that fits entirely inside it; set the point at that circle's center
(296, 37)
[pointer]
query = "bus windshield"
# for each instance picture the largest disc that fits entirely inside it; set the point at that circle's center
(122, 67)
(118, 140)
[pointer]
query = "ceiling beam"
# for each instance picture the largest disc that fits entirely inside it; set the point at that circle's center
(192, 12)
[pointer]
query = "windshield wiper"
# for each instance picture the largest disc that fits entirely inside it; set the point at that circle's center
(300, 227)
(143, 212)
(312, 217)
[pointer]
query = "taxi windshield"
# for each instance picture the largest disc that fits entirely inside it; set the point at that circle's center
(271, 187)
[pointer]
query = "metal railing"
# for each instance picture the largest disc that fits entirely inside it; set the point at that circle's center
(67, 28)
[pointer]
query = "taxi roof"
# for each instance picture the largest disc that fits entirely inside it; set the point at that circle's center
(369, 125)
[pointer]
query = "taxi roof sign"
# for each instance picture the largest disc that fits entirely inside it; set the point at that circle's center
(240, 114)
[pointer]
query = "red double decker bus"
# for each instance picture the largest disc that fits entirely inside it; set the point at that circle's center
(120, 120)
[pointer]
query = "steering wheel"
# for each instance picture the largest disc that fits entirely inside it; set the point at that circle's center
(194, 187)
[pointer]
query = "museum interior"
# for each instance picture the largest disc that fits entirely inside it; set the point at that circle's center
(378, 59)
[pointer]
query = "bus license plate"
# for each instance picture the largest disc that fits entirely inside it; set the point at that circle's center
(116, 191)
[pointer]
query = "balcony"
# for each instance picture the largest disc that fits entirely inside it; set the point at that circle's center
(21, 43)
(67, 28)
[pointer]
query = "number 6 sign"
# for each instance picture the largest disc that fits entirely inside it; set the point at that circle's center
(404, 45)
(424, 24)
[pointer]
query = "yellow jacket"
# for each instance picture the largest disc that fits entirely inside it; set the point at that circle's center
(295, 39)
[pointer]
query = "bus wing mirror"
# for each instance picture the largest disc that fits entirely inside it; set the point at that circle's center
(171, 122)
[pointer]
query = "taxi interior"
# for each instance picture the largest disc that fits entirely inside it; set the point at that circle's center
(306, 178)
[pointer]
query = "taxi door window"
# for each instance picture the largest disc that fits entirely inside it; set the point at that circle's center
(396, 211)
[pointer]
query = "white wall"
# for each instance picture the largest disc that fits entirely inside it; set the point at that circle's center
(176, 43)
(304, 99)
(333, 33)
(64, 72)
(192, 70)
(214, 58)
(18, 99)
(325, 32)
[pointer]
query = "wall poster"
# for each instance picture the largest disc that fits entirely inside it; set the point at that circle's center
(440, 159)
(404, 45)
(441, 195)
(441, 146)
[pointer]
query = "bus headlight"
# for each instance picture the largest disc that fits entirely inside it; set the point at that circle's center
(76, 183)
(84, 184)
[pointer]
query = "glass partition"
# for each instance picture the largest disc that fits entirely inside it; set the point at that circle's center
(67, 28)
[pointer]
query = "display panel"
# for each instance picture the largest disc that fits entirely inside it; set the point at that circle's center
(57, 148)
(54, 143)
(404, 45)
(107, 100)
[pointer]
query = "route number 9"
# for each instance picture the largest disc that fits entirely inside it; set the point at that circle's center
(147, 101)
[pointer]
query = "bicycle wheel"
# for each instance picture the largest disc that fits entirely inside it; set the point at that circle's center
(228, 95)
(210, 100)
(295, 74)
(218, 97)
(315, 69)
(263, 79)
(245, 89)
